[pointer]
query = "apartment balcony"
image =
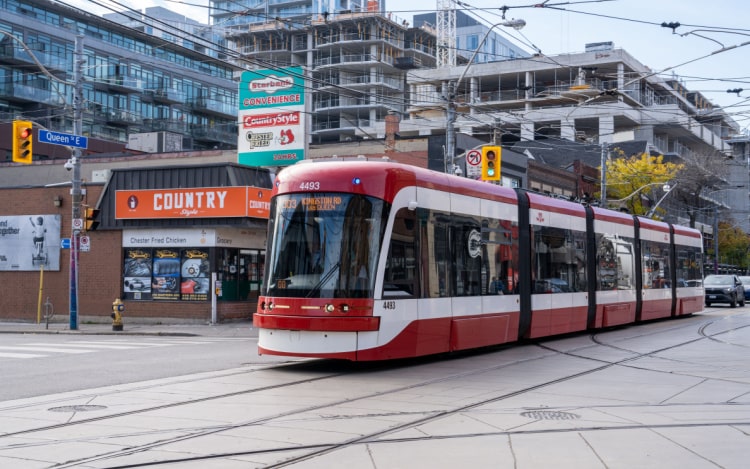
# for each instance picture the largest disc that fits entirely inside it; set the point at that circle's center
(359, 82)
(16, 55)
(105, 132)
(339, 38)
(167, 95)
(350, 104)
(118, 84)
(29, 94)
(213, 107)
(351, 61)
(168, 125)
(120, 117)
(212, 134)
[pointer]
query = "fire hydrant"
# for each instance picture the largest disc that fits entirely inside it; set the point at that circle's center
(117, 308)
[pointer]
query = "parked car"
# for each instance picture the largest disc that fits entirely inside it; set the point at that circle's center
(746, 284)
(724, 289)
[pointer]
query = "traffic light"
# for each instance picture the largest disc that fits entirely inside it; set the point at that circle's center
(91, 219)
(23, 138)
(491, 157)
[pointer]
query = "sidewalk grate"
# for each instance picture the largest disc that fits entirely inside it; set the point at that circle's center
(549, 415)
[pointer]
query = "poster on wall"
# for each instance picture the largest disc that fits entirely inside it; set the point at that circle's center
(165, 278)
(195, 268)
(30, 242)
(137, 274)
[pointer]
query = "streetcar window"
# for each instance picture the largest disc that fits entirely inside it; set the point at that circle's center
(558, 260)
(500, 256)
(466, 246)
(689, 262)
(467, 256)
(401, 275)
(657, 265)
(324, 245)
(615, 262)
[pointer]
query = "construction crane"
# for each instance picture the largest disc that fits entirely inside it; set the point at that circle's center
(446, 33)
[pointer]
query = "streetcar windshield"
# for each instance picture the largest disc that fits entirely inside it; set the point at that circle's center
(323, 245)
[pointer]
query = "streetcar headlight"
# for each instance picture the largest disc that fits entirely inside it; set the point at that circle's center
(263, 306)
(270, 306)
(330, 308)
(344, 308)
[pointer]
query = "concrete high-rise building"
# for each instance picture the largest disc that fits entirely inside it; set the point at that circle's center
(356, 63)
(134, 81)
(602, 96)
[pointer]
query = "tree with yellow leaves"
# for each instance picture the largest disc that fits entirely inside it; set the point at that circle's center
(638, 179)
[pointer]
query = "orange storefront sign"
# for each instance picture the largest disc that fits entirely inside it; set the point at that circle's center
(197, 202)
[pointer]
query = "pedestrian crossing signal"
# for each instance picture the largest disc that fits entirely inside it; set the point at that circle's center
(491, 157)
(23, 139)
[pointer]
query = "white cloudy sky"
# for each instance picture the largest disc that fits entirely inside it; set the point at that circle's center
(634, 25)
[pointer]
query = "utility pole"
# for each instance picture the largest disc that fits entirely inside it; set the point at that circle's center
(603, 177)
(716, 240)
(450, 130)
(75, 191)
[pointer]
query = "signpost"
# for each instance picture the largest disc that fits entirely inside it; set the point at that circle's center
(473, 163)
(58, 138)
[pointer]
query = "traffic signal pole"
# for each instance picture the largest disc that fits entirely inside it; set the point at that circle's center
(75, 191)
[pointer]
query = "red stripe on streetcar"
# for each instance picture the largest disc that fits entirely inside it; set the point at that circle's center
(313, 323)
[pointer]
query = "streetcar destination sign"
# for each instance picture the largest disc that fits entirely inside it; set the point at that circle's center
(57, 138)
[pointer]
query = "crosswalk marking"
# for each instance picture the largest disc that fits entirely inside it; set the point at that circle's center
(20, 355)
(43, 349)
(46, 349)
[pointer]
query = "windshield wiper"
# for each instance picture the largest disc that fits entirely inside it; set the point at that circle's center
(324, 279)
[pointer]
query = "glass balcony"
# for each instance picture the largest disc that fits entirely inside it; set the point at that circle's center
(212, 106)
(16, 54)
(167, 95)
(17, 92)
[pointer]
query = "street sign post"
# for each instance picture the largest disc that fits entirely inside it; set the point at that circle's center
(58, 138)
(84, 243)
(473, 163)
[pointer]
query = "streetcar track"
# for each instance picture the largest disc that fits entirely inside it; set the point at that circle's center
(433, 416)
(318, 450)
(499, 433)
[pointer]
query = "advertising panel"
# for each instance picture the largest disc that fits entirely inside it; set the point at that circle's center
(272, 117)
(28, 242)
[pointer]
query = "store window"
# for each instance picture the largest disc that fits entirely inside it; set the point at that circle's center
(185, 274)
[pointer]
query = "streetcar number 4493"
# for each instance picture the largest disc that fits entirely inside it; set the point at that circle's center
(310, 185)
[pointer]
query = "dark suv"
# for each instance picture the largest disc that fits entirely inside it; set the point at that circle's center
(724, 289)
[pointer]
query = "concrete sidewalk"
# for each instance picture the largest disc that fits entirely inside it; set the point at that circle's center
(133, 326)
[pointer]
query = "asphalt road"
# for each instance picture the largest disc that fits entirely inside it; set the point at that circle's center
(40, 364)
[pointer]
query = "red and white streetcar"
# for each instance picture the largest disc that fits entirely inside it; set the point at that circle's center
(375, 260)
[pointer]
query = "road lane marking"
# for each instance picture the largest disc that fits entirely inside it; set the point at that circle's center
(20, 355)
(25, 348)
